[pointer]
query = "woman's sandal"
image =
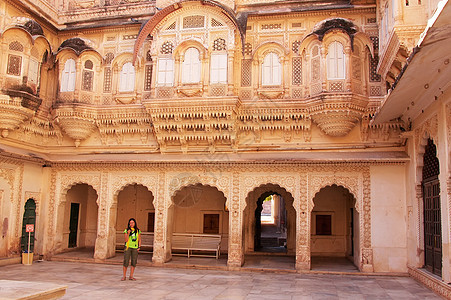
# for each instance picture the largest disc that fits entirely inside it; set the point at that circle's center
(132, 278)
(123, 278)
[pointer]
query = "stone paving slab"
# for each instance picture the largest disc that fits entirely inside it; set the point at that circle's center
(14, 289)
(102, 281)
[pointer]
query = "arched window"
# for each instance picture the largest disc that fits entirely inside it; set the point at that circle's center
(336, 61)
(218, 71)
(271, 70)
(165, 71)
(127, 78)
(68, 76)
(191, 66)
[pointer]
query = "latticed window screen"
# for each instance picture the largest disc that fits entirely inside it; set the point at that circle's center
(148, 78)
(107, 80)
(194, 22)
(297, 71)
(219, 44)
(167, 48)
(171, 27)
(215, 23)
(375, 41)
(87, 81)
(248, 49)
(295, 46)
(109, 58)
(356, 68)
(14, 65)
(16, 46)
(374, 77)
(89, 65)
(246, 72)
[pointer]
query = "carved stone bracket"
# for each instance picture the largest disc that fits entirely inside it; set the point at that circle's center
(337, 115)
(77, 121)
(12, 114)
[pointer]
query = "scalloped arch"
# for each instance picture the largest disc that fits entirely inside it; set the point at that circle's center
(91, 55)
(307, 43)
(183, 46)
(351, 183)
(65, 187)
(122, 59)
(153, 22)
(270, 46)
(179, 181)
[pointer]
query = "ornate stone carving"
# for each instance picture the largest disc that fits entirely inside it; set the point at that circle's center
(78, 122)
(12, 114)
(199, 123)
(336, 115)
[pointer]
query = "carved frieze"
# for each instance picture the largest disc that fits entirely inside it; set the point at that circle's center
(199, 123)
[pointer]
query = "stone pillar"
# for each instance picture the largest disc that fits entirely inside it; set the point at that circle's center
(205, 73)
(366, 264)
(154, 78)
(161, 247)
(236, 208)
(256, 80)
(348, 65)
(101, 244)
(230, 72)
(303, 227)
(286, 76)
(323, 67)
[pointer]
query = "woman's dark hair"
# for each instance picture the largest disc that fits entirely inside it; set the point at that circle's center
(136, 225)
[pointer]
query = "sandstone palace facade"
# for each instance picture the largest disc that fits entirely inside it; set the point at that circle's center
(333, 117)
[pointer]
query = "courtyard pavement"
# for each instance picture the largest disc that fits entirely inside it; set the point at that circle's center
(102, 281)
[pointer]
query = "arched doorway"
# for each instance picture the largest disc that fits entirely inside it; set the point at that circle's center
(334, 228)
(29, 217)
(135, 201)
(270, 224)
(432, 210)
(80, 221)
(269, 221)
(199, 210)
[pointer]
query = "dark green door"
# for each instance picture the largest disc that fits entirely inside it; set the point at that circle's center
(73, 224)
(432, 211)
(29, 217)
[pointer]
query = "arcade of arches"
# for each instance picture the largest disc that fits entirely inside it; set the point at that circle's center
(292, 129)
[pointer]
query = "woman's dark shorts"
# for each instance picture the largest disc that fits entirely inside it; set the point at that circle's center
(130, 253)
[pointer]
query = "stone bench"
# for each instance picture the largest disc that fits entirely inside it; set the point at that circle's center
(146, 241)
(197, 244)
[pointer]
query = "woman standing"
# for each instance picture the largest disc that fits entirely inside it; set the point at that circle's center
(132, 245)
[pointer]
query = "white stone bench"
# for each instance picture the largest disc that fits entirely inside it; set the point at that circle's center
(199, 243)
(146, 241)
